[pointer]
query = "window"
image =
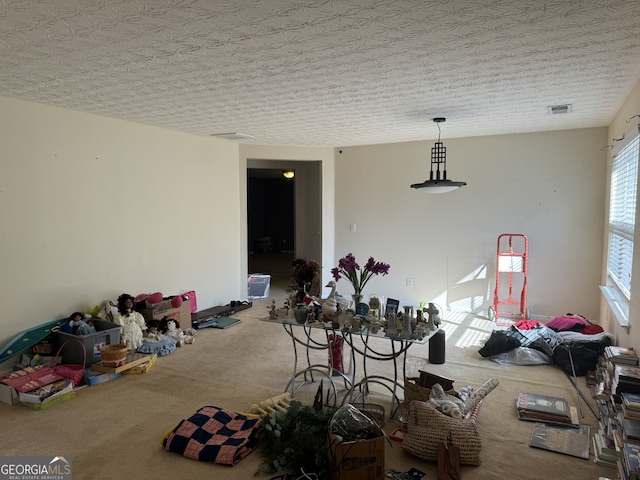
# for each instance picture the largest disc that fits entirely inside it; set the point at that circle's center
(622, 216)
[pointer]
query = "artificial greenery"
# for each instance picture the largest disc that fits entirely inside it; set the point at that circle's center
(296, 440)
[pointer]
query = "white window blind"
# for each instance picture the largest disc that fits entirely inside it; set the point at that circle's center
(622, 214)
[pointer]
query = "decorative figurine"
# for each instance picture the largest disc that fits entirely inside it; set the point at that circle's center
(434, 319)
(330, 304)
(272, 310)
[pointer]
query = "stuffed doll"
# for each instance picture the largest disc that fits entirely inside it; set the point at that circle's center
(154, 341)
(78, 325)
(172, 330)
(132, 322)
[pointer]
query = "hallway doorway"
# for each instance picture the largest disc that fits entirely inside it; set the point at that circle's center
(284, 216)
(271, 224)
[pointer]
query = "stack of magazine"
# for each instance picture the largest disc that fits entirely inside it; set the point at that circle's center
(626, 378)
(621, 355)
(569, 441)
(534, 407)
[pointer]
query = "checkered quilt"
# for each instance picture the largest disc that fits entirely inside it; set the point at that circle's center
(215, 435)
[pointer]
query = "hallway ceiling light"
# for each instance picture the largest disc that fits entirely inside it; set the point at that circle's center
(288, 174)
(438, 182)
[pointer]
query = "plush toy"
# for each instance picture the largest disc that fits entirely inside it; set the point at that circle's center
(172, 330)
(132, 322)
(148, 300)
(153, 299)
(78, 325)
(155, 341)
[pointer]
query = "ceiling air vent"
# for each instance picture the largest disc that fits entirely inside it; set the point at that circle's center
(233, 136)
(555, 109)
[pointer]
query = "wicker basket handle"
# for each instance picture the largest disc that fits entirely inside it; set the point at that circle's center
(84, 351)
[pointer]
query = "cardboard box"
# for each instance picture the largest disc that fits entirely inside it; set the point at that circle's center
(191, 296)
(51, 402)
(30, 378)
(164, 309)
(44, 394)
(91, 377)
(360, 460)
(9, 395)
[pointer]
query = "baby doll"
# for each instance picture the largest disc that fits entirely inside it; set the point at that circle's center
(78, 325)
(132, 322)
(152, 332)
(155, 341)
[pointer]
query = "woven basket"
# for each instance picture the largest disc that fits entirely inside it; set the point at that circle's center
(427, 428)
(114, 355)
(413, 390)
(71, 371)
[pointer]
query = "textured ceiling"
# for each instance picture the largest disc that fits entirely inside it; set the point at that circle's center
(322, 72)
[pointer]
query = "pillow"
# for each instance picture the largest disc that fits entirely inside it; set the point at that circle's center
(427, 428)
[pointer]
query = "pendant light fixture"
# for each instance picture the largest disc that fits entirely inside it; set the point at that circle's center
(438, 182)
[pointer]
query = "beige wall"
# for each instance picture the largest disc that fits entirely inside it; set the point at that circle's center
(622, 124)
(549, 186)
(91, 207)
(314, 223)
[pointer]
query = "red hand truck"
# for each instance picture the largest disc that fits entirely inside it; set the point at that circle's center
(511, 277)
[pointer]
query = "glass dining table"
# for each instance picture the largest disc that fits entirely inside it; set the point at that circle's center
(366, 348)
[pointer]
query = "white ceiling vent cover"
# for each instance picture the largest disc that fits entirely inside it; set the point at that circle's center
(556, 109)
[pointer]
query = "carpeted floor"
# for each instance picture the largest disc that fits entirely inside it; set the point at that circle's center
(113, 430)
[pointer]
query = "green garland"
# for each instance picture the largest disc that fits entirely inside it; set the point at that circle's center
(296, 440)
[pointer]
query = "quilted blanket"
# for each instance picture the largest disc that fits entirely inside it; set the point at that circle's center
(216, 435)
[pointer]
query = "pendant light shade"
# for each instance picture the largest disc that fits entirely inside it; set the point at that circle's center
(438, 181)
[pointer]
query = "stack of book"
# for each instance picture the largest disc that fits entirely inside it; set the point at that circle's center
(604, 449)
(621, 355)
(630, 405)
(547, 409)
(626, 378)
(629, 466)
(630, 430)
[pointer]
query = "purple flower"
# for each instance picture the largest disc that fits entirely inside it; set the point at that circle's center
(348, 268)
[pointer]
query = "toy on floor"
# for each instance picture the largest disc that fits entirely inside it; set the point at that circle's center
(132, 322)
(278, 403)
(157, 342)
(171, 328)
(78, 325)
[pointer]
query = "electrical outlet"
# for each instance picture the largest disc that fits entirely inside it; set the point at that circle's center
(409, 282)
(352, 227)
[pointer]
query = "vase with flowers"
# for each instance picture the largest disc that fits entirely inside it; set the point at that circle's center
(303, 273)
(358, 277)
